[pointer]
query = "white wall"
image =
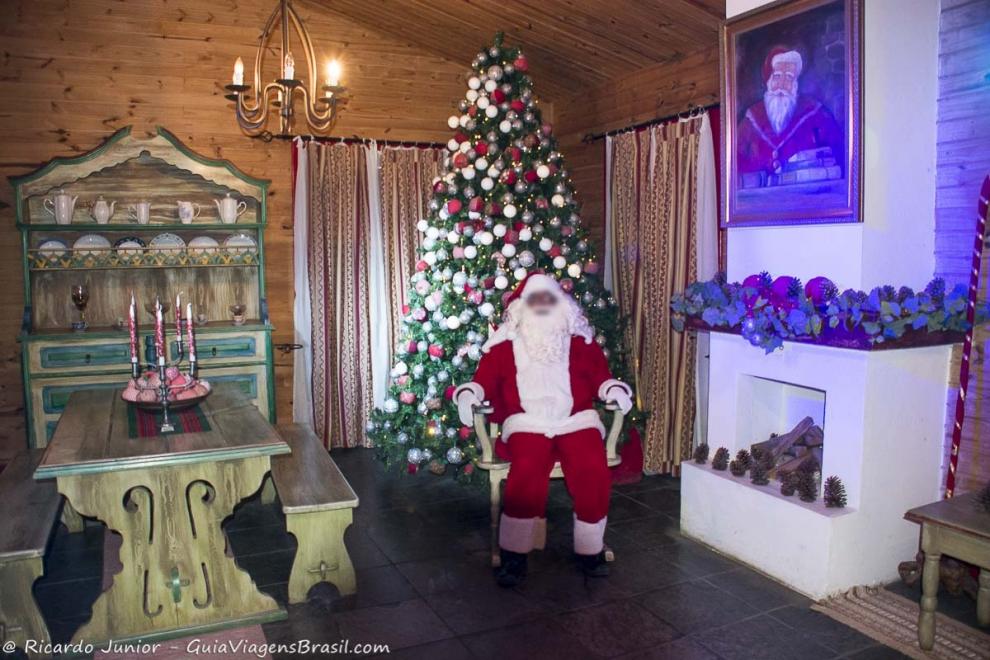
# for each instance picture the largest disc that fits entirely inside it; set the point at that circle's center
(896, 242)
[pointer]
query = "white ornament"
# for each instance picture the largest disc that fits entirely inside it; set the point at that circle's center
(486, 238)
(505, 126)
(453, 144)
(559, 263)
(509, 250)
(453, 121)
(432, 233)
(509, 211)
(557, 200)
(500, 283)
(574, 270)
(464, 148)
(486, 310)
(453, 237)
(543, 171)
(499, 230)
(481, 164)
(546, 244)
(487, 183)
(474, 82)
(464, 120)
(422, 225)
(525, 234)
(430, 258)
(519, 274)
(482, 102)
(490, 85)
(400, 368)
(491, 111)
(470, 252)
(472, 95)
(453, 323)
(468, 172)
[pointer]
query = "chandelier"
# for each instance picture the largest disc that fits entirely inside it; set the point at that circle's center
(280, 95)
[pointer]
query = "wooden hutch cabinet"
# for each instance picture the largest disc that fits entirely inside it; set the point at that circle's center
(146, 251)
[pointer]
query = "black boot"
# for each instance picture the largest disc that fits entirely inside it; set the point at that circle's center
(513, 569)
(593, 565)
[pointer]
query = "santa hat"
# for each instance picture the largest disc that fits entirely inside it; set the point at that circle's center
(534, 282)
(538, 282)
(781, 55)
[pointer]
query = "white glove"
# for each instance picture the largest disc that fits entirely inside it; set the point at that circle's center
(621, 399)
(467, 399)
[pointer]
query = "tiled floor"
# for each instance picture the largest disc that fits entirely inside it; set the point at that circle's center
(420, 547)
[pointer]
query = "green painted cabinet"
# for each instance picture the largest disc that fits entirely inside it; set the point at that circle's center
(145, 250)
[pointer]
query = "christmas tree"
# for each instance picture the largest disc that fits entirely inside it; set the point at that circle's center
(504, 206)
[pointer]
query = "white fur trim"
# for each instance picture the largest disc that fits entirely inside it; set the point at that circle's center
(609, 384)
(529, 423)
(466, 396)
(791, 57)
(589, 538)
(516, 534)
(540, 283)
(473, 387)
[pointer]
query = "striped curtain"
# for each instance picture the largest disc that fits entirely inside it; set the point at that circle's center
(338, 272)
(405, 178)
(652, 225)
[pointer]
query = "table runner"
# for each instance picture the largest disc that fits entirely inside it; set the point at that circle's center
(147, 424)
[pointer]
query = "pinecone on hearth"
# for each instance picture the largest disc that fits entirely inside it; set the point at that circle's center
(720, 460)
(983, 498)
(806, 486)
(834, 494)
(736, 468)
(701, 453)
(744, 459)
(788, 483)
(759, 469)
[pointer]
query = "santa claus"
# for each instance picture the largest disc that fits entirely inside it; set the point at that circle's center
(541, 371)
(785, 123)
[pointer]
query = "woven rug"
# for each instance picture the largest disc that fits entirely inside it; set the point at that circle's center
(893, 620)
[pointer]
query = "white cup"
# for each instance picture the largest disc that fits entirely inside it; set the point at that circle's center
(140, 212)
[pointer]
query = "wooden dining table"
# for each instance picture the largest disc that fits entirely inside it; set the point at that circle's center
(167, 496)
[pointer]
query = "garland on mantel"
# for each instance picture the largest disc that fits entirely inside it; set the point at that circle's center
(767, 311)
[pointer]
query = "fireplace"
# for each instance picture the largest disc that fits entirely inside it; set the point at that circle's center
(882, 414)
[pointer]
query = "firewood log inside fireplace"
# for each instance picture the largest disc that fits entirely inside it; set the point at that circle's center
(794, 449)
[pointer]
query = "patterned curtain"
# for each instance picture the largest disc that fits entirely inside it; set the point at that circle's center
(405, 179)
(338, 280)
(653, 199)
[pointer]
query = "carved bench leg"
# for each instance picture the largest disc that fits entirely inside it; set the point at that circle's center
(321, 555)
(71, 518)
(19, 616)
(495, 481)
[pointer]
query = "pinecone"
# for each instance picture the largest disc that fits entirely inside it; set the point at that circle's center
(834, 494)
(744, 459)
(721, 459)
(788, 483)
(795, 290)
(807, 488)
(765, 279)
(983, 497)
(829, 292)
(759, 469)
(809, 466)
(936, 289)
(736, 468)
(904, 293)
(701, 453)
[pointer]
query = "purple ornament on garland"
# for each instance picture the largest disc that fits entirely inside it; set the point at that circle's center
(780, 293)
(820, 290)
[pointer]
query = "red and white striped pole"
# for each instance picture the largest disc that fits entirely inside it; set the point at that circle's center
(974, 286)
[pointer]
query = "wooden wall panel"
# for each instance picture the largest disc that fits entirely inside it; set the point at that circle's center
(74, 72)
(962, 161)
(657, 91)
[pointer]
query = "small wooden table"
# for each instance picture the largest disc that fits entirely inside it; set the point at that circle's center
(167, 497)
(960, 528)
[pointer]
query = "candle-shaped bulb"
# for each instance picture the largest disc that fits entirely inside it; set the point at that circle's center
(191, 338)
(238, 72)
(333, 73)
(289, 67)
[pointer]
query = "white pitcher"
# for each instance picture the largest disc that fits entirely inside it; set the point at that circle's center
(61, 205)
(102, 210)
(140, 212)
(229, 209)
(188, 211)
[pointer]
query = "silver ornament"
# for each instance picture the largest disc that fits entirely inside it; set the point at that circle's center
(402, 437)
(390, 406)
(414, 455)
(526, 259)
(370, 427)
(455, 455)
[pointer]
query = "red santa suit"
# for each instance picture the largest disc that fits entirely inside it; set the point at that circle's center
(547, 414)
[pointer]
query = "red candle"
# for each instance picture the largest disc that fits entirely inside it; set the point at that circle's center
(132, 329)
(189, 332)
(178, 319)
(159, 332)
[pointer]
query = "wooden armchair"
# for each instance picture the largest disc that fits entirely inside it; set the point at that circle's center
(498, 469)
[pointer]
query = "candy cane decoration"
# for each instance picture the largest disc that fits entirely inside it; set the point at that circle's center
(974, 285)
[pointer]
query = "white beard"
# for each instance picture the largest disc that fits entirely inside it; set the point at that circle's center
(546, 338)
(780, 106)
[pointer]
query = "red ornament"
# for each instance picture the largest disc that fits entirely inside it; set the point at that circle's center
(472, 111)
(421, 265)
(460, 160)
(515, 153)
(481, 148)
(521, 64)
(459, 137)
(489, 282)
(531, 176)
(412, 347)
(509, 177)
(453, 206)
(567, 284)
(477, 204)
(465, 432)
(531, 141)
(517, 105)
(591, 267)
(435, 350)
(511, 237)
(449, 392)
(547, 128)
(542, 203)
(494, 208)
(468, 468)
(498, 96)
(412, 467)
(407, 397)
(438, 186)
(405, 309)
(555, 251)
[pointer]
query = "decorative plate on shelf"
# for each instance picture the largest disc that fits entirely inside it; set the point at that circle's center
(53, 248)
(91, 244)
(240, 243)
(203, 245)
(129, 243)
(166, 241)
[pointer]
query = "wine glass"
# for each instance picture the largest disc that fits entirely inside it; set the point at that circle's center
(80, 296)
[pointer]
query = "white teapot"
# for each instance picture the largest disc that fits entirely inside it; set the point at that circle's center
(188, 211)
(229, 209)
(102, 210)
(61, 205)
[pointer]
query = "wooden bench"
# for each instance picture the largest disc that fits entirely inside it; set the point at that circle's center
(29, 510)
(317, 502)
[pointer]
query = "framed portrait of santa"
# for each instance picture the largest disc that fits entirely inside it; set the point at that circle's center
(791, 114)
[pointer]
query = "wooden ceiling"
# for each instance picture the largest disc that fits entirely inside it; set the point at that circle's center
(572, 45)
